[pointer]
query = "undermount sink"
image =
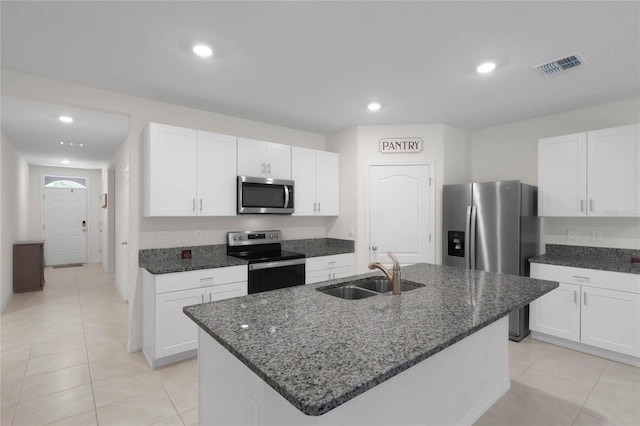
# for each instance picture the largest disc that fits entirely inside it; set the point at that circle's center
(348, 292)
(382, 285)
(367, 287)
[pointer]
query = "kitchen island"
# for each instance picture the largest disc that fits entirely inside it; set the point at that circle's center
(434, 355)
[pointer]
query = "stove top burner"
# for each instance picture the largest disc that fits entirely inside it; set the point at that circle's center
(258, 246)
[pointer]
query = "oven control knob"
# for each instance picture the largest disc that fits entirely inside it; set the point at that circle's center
(270, 235)
(276, 235)
(235, 238)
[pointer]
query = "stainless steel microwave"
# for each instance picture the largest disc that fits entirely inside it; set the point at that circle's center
(257, 195)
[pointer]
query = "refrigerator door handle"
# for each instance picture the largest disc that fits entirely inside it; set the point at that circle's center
(467, 235)
(472, 240)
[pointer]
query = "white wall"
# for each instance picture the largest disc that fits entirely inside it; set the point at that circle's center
(456, 156)
(14, 182)
(511, 152)
(94, 210)
(345, 143)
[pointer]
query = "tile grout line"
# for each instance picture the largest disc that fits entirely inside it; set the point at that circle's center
(86, 348)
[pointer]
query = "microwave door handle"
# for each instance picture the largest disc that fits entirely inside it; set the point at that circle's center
(286, 196)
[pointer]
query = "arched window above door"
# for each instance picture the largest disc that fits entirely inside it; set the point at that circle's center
(65, 182)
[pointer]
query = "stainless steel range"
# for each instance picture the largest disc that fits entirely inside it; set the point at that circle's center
(270, 267)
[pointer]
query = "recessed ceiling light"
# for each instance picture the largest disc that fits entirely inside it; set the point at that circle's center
(65, 162)
(65, 119)
(373, 106)
(202, 50)
(81, 145)
(486, 67)
(61, 142)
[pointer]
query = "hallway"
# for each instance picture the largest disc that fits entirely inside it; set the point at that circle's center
(64, 360)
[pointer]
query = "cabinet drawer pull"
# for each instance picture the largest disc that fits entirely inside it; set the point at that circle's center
(579, 277)
(206, 279)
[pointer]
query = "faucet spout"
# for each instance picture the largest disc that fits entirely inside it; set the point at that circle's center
(394, 276)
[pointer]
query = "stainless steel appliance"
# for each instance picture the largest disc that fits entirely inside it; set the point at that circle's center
(270, 267)
(492, 226)
(258, 195)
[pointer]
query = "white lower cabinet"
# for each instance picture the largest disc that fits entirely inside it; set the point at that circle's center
(168, 334)
(593, 308)
(558, 313)
(323, 268)
(611, 320)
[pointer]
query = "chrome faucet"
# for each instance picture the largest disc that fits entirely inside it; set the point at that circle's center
(394, 277)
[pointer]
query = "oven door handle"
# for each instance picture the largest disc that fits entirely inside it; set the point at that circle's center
(276, 264)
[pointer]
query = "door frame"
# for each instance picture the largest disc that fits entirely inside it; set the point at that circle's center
(432, 200)
(89, 222)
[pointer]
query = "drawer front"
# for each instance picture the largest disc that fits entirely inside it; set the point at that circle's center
(329, 262)
(200, 278)
(589, 277)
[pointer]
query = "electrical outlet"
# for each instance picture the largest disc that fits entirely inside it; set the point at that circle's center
(596, 235)
(163, 236)
(198, 235)
(571, 235)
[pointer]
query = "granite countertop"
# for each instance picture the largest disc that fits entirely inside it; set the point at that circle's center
(315, 247)
(601, 258)
(164, 261)
(168, 260)
(319, 351)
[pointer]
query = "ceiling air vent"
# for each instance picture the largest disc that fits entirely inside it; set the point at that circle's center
(560, 65)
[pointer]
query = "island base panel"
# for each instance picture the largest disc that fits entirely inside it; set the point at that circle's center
(454, 386)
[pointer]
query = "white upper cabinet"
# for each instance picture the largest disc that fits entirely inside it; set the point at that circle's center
(593, 173)
(170, 171)
(263, 159)
(316, 177)
(188, 172)
(562, 175)
(613, 171)
(328, 183)
(216, 175)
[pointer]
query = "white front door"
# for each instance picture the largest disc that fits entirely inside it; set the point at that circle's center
(401, 213)
(65, 225)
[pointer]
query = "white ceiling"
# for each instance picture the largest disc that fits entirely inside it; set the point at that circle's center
(315, 65)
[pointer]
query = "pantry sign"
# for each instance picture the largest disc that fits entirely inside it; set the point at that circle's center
(400, 145)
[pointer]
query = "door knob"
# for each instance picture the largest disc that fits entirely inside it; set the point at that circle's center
(124, 243)
(374, 248)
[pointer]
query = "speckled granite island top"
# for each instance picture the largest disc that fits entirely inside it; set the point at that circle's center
(319, 351)
(601, 258)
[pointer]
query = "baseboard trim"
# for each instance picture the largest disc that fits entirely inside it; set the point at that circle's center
(591, 350)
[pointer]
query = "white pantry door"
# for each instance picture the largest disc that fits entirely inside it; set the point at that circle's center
(64, 226)
(400, 213)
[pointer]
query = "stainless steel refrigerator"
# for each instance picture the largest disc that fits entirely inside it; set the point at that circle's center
(492, 226)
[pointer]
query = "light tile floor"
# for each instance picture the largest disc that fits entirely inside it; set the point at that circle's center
(64, 362)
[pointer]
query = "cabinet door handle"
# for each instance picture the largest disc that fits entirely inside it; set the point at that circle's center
(262, 167)
(314, 207)
(591, 205)
(209, 297)
(580, 277)
(200, 205)
(193, 205)
(202, 298)
(575, 297)
(318, 207)
(581, 205)
(584, 298)
(329, 276)
(269, 169)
